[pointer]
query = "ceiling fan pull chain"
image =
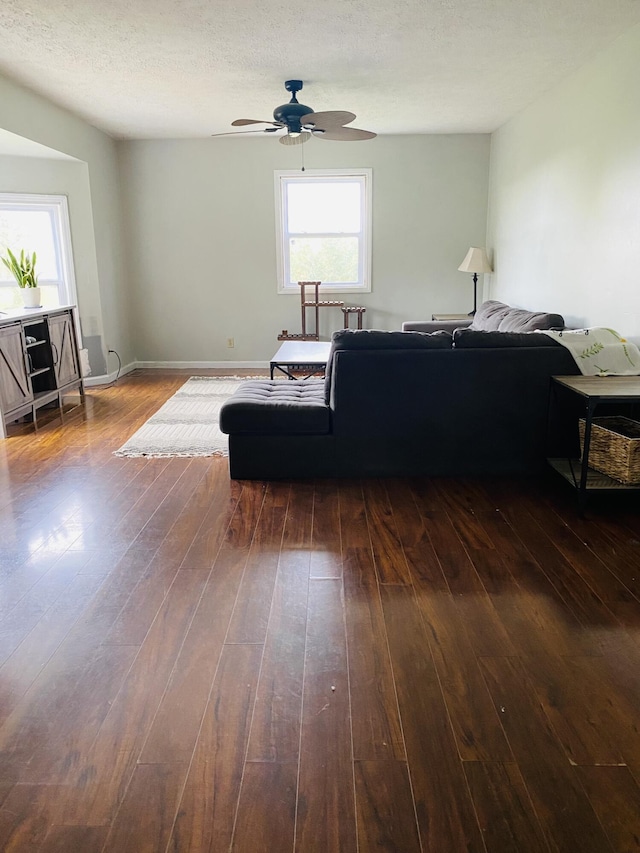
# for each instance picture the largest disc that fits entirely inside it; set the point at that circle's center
(302, 150)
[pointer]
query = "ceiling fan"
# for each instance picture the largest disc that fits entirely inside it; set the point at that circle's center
(301, 122)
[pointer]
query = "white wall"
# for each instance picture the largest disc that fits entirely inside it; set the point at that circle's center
(564, 198)
(103, 294)
(200, 220)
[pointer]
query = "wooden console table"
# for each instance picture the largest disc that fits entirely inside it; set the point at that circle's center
(39, 362)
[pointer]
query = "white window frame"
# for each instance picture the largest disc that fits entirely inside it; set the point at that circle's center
(58, 208)
(282, 178)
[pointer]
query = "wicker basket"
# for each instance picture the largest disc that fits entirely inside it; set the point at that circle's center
(615, 448)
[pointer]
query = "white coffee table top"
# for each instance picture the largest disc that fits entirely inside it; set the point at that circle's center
(302, 352)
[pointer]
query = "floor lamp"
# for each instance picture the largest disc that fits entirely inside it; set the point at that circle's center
(475, 261)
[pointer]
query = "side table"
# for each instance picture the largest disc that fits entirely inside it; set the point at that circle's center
(594, 391)
(442, 317)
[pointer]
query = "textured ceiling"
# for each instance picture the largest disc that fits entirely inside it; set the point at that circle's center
(187, 68)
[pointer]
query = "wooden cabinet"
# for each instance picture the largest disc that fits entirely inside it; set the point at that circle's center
(64, 349)
(15, 386)
(39, 363)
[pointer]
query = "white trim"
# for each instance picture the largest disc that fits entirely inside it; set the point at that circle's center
(64, 248)
(108, 378)
(364, 173)
(198, 365)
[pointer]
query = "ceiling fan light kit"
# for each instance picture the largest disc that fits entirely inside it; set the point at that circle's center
(301, 123)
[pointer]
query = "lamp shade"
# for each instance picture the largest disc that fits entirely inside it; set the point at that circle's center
(476, 260)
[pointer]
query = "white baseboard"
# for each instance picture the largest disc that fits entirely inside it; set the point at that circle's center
(108, 378)
(204, 365)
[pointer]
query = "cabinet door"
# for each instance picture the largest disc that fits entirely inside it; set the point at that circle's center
(15, 388)
(63, 344)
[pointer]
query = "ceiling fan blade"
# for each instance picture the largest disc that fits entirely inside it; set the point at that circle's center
(327, 120)
(240, 122)
(257, 130)
(345, 134)
(295, 140)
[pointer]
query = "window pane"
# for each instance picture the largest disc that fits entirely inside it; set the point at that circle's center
(323, 208)
(31, 230)
(328, 259)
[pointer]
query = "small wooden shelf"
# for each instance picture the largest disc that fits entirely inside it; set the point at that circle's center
(323, 302)
(41, 398)
(596, 481)
(39, 371)
(285, 336)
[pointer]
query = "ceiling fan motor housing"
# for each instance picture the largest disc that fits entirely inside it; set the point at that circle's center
(291, 113)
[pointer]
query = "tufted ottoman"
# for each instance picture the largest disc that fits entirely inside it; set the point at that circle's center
(277, 407)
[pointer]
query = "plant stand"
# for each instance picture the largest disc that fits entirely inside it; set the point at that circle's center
(316, 304)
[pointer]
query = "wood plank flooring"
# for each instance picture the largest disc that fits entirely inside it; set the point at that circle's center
(193, 664)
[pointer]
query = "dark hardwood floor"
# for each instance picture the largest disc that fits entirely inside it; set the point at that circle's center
(193, 664)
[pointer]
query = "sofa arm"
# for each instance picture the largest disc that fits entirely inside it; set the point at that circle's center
(435, 325)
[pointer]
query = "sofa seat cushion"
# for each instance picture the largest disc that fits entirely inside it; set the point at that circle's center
(494, 316)
(276, 407)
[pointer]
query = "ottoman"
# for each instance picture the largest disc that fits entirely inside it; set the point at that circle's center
(278, 429)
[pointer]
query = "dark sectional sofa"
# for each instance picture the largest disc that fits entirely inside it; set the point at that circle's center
(408, 403)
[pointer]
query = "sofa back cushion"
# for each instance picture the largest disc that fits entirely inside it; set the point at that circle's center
(472, 339)
(494, 316)
(489, 316)
(374, 339)
(519, 320)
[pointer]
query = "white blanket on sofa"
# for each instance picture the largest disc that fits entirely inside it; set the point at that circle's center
(600, 351)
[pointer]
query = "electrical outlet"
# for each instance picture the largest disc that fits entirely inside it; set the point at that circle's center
(230, 343)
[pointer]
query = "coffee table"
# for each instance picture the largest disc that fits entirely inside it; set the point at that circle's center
(309, 357)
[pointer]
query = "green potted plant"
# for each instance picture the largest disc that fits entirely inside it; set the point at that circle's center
(24, 272)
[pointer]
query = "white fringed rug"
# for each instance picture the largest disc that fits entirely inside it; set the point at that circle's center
(187, 424)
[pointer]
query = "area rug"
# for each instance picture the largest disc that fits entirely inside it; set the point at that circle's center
(187, 424)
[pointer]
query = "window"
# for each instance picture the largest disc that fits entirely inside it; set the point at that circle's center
(40, 224)
(324, 229)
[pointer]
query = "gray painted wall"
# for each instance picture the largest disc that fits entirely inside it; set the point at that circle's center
(200, 225)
